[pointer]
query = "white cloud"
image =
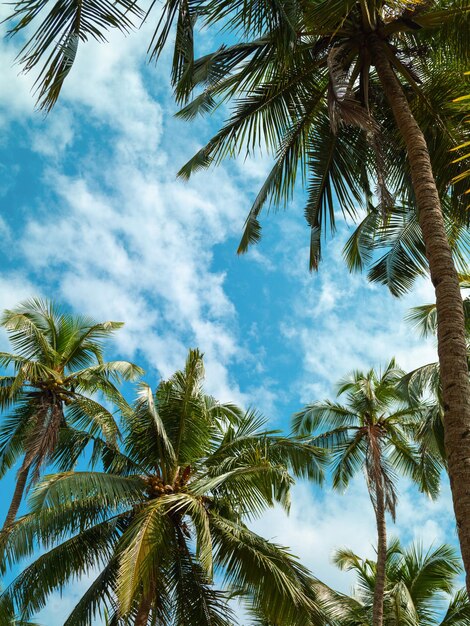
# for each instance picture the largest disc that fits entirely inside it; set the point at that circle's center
(341, 322)
(55, 137)
(14, 289)
(322, 522)
(143, 253)
(318, 524)
(16, 100)
(124, 238)
(423, 519)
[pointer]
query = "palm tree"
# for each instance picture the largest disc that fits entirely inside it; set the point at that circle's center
(168, 512)
(343, 92)
(370, 432)
(420, 589)
(51, 396)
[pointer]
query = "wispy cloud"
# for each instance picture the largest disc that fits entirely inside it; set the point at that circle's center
(338, 321)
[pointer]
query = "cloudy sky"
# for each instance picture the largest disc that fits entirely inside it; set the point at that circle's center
(94, 217)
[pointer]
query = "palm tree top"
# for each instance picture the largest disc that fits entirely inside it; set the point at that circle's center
(53, 398)
(372, 398)
(170, 509)
(376, 429)
(302, 82)
(371, 394)
(420, 586)
(40, 330)
(58, 351)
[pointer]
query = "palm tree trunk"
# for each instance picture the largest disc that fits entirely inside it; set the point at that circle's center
(143, 612)
(17, 496)
(451, 327)
(379, 589)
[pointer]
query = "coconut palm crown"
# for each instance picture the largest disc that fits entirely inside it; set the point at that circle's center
(52, 399)
(303, 83)
(168, 513)
(420, 588)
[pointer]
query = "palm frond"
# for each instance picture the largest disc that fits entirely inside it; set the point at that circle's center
(198, 601)
(275, 580)
(75, 489)
(56, 39)
(147, 542)
(63, 563)
(320, 414)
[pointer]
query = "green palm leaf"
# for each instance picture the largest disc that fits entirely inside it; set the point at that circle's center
(57, 37)
(168, 511)
(60, 381)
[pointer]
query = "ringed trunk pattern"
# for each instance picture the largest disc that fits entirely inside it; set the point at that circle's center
(450, 318)
(379, 589)
(17, 496)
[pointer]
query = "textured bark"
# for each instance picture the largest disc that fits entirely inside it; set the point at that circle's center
(379, 589)
(375, 481)
(143, 612)
(17, 496)
(450, 318)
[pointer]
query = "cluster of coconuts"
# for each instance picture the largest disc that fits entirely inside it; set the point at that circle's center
(156, 487)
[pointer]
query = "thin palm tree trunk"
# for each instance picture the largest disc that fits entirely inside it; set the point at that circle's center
(450, 318)
(17, 495)
(379, 589)
(143, 612)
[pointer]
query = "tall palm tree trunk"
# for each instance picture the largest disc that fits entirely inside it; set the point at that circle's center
(143, 612)
(379, 589)
(451, 327)
(17, 495)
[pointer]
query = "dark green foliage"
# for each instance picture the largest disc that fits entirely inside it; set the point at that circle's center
(169, 510)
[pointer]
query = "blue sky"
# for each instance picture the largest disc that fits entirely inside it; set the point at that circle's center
(94, 217)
